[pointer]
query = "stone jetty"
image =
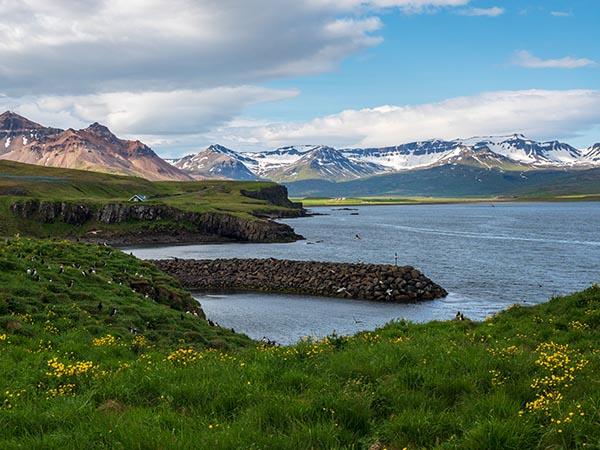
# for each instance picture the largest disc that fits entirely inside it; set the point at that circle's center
(377, 282)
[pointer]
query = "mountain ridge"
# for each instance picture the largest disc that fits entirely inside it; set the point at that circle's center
(93, 148)
(509, 152)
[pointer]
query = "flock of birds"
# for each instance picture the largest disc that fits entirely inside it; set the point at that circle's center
(34, 275)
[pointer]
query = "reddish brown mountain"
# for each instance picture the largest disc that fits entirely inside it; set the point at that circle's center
(93, 148)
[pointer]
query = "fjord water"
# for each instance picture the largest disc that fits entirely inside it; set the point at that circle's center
(487, 256)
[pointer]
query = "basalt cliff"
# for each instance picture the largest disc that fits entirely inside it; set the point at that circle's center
(156, 223)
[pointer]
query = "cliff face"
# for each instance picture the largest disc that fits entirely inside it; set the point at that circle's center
(276, 195)
(208, 224)
(48, 212)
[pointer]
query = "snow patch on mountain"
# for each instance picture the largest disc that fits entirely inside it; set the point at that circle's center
(510, 152)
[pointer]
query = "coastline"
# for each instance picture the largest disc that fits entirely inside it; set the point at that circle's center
(403, 201)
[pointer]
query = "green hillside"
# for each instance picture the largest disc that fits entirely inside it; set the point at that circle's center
(19, 182)
(73, 376)
(458, 181)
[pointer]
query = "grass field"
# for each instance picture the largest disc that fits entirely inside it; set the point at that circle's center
(393, 200)
(72, 376)
(22, 181)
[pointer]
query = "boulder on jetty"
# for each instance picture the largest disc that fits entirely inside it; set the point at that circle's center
(377, 282)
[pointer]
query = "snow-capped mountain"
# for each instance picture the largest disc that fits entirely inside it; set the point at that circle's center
(272, 160)
(518, 148)
(324, 162)
(216, 161)
(407, 156)
(592, 154)
(513, 152)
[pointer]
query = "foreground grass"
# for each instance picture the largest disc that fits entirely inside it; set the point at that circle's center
(74, 377)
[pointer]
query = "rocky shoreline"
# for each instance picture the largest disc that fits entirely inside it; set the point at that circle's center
(376, 282)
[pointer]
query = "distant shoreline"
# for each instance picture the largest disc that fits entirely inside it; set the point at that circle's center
(379, 201)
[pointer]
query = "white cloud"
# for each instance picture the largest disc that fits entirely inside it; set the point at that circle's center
(536, 113)
(489, 12)
(560, 13)
(525, 59)
(134, 45)
(155, 113)
(170, 70)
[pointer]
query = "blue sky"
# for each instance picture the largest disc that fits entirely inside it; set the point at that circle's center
(431, 57)
(256, 74)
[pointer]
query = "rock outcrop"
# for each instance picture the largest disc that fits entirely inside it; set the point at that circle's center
(49, 212)
(206, 224)
(385, 283)
(276, 194)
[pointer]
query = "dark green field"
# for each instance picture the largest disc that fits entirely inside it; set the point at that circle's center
(458, 181)
(152, 376)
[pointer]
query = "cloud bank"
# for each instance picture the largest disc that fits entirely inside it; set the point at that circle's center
(95, 46)
(536, 113)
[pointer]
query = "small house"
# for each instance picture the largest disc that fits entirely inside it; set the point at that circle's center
(138, 198)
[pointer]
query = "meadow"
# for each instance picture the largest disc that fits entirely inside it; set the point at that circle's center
(156, 374)
(399, 200)
(19, 182)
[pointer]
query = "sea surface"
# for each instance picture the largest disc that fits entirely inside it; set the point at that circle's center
(487, 256)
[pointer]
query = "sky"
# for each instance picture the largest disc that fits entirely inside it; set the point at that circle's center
(259, 74)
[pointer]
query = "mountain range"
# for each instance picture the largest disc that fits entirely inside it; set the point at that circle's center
(296, 163)
(475, 166)
(93, 148)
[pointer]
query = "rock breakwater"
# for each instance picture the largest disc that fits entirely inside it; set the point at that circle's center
(377, 282)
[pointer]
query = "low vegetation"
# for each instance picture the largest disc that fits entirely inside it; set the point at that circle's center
(19, 182)
(397, 200)
(76, 374)
(460, 181)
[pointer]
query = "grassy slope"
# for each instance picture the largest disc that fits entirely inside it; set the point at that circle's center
(457, 181)
(445, 384)
(97, 188)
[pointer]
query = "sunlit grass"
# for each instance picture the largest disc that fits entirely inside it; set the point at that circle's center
(96, 189)
(73, 376)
